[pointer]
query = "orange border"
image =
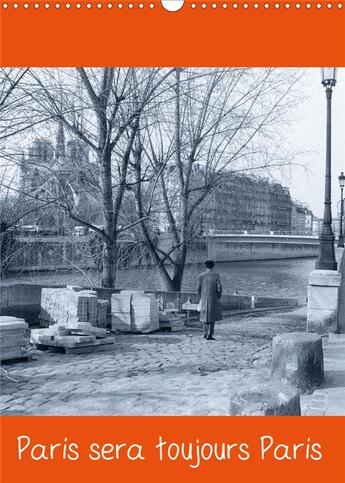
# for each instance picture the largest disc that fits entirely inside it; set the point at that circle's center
(193, 37)
(328, 431)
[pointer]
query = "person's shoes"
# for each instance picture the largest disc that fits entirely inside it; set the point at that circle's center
(205, 336)
(210, 337)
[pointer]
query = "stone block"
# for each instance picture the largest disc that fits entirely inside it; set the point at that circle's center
(323, 300)
(322, 321)
(325, 278)
(323, 297)
(271, 399)
(297, 358)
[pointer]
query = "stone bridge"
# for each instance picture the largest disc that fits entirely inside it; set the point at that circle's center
(231, 247)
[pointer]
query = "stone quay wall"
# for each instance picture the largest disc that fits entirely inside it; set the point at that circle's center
(261, 247)
(24, 300)
(57, 253)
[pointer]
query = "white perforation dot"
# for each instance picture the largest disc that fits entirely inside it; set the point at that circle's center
(152, 5)
(26, 5)
(245, 5)
(37, 5)
(329, 5)
(4, 5)
(68, 5)
(298, 5)
(277, 5)
(214, 5)
(141, 5)
(287, 5)
(267, 5)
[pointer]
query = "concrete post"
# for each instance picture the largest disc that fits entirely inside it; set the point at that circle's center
(271, 399)
(297, 358)
(341, 306)
(323, 298)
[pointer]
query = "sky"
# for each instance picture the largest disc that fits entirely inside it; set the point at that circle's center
(307, 134)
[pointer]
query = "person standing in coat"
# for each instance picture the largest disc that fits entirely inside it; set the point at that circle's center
(210, 291)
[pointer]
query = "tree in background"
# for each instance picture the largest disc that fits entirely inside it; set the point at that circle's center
(215, 121)
(102, 108)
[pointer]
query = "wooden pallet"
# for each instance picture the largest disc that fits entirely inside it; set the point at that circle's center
(76, 350)
(12, 360)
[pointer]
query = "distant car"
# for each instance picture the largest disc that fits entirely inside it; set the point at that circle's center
(28, 230)
(80, 231)
(100, 227)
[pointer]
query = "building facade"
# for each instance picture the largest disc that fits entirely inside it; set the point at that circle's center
(249, 204)
(58, 170)
(301, 219)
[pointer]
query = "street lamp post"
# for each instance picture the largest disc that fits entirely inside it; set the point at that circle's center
(342, 185)
(326, 260)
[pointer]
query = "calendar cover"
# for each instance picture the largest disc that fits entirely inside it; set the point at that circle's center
(172, 268)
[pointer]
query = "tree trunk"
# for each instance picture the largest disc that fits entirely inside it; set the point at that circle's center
(179, 267)
(108, 273)
(108, 276)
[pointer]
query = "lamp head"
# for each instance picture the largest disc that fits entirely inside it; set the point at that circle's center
(328, 76)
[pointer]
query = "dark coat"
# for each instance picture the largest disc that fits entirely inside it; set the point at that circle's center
(210, 291)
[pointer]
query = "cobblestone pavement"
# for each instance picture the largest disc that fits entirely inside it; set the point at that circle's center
(164, 373)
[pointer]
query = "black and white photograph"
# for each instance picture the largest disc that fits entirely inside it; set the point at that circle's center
(172, 241)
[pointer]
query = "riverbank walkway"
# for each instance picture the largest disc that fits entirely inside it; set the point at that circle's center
(178, 373)
(168, 373)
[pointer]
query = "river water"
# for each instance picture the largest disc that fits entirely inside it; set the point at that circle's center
(275, 278)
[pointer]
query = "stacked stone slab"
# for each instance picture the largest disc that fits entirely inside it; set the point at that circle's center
(76, 319)
(172, 320)
(134, 311)
(14, 338)
(75, 338)
(144, 312)
(121, 312)
(71, 305)
(102, 309)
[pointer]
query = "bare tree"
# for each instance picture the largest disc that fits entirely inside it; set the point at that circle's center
(102, 108)
(215, 122)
